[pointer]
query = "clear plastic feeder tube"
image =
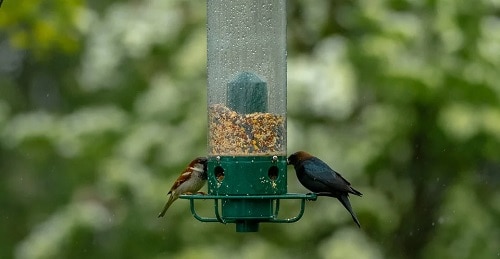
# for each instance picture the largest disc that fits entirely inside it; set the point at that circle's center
(246, 77)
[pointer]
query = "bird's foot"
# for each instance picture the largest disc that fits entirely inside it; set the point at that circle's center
(202, 193)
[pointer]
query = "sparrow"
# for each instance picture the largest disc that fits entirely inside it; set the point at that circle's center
(191, 180)
(319, 178)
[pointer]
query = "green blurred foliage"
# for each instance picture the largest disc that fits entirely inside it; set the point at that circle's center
(102, 103)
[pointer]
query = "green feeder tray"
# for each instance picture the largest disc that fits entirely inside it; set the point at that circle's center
(249, 224)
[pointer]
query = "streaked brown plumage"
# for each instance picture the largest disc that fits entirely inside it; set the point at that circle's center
(191, 180)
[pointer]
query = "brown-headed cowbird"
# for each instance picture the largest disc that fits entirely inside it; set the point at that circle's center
(319, 178)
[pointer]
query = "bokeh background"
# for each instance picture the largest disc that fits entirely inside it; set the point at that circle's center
(102, 103)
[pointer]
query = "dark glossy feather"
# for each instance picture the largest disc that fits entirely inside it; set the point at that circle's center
(318, 177)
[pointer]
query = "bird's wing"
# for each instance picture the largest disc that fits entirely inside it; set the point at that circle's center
(180, 180)
(318, 170)
(326, 175)
(343, 179)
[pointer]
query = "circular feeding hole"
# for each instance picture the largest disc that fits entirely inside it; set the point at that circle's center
(219, 173)
(273, 172)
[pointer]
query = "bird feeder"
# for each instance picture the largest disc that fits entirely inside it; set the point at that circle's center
(247, 169)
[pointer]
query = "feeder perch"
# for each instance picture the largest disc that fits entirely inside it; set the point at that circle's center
(247, 170)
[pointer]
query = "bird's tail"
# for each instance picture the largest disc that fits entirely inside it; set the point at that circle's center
(345, 201)
(171, 199)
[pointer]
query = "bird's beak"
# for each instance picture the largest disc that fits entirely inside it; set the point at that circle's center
(287, 161)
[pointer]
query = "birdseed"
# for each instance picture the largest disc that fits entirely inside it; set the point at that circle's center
(235, 134)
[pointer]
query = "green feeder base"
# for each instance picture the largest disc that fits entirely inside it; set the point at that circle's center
(249, 224)
(251, 177)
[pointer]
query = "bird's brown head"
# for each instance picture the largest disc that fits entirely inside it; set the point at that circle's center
(298, 157)
(203, 161)
(199, 160)
(200, 163)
